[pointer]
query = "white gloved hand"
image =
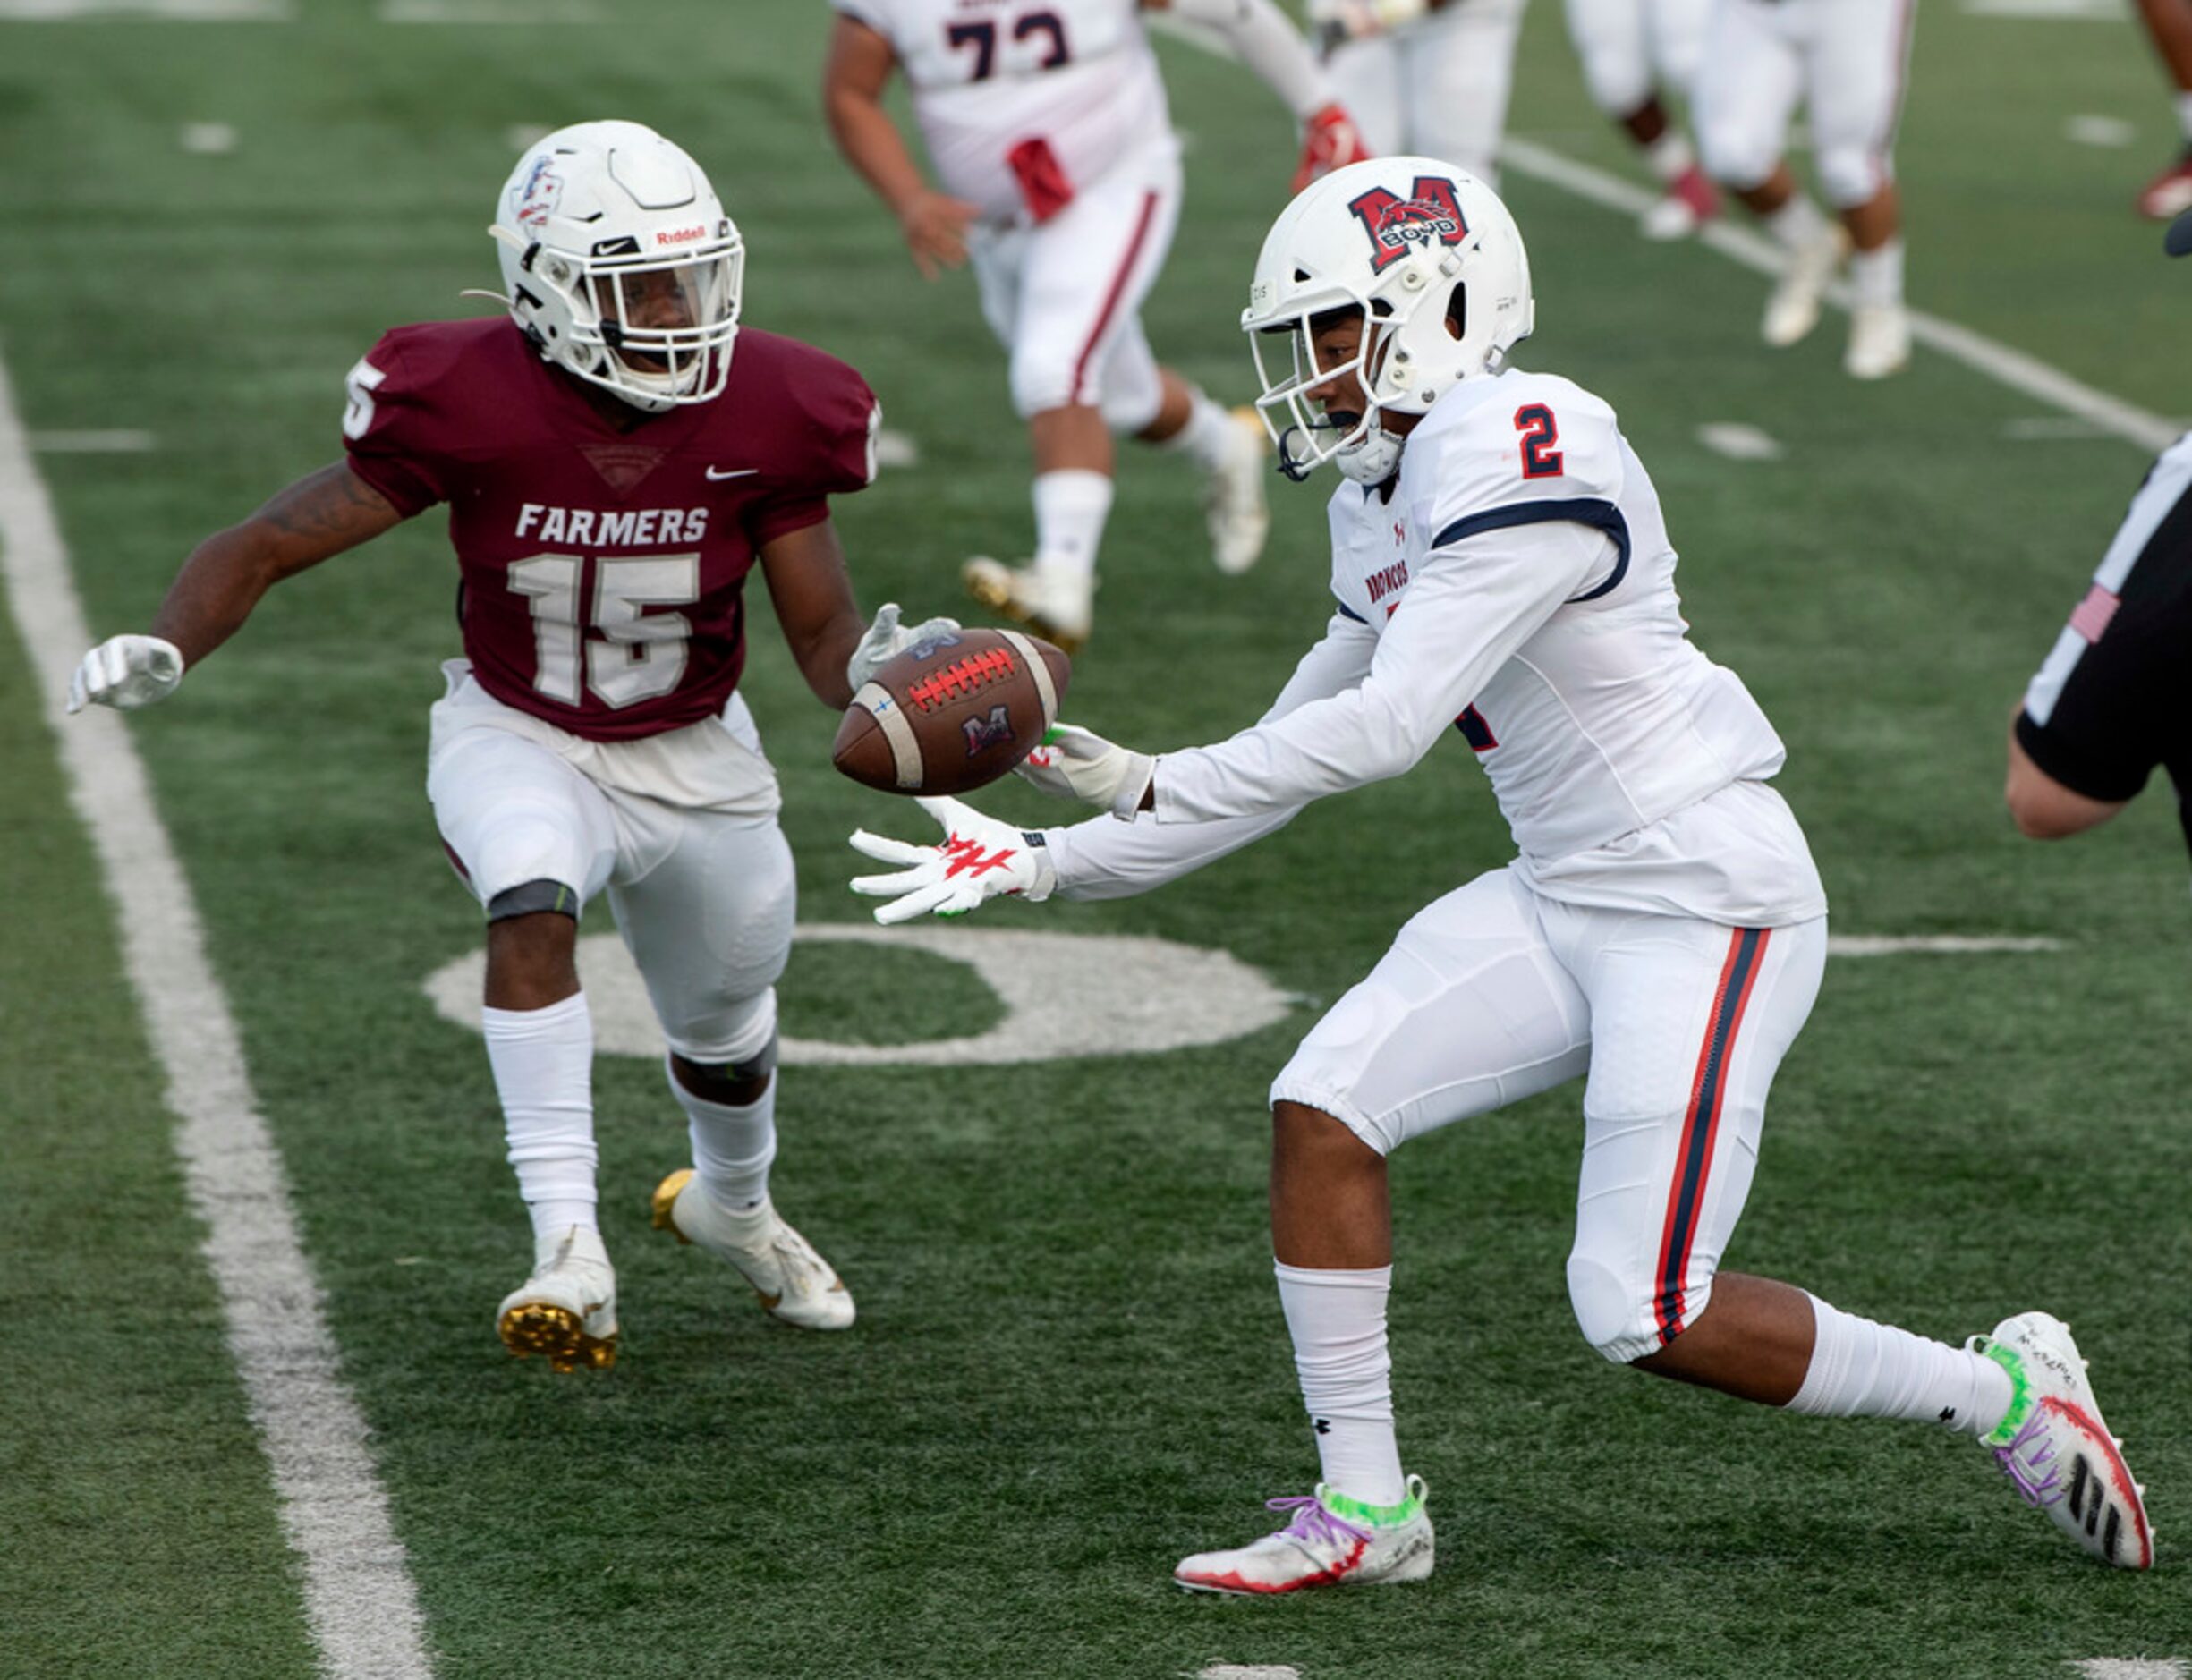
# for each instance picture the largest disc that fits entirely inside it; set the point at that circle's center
(979, 859)
(1076, 763)
(887, 638)
(126, 671)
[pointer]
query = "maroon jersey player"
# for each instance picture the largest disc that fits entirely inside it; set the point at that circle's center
(616, 456)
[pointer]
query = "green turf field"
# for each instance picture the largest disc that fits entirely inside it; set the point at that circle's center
(1070, 1367)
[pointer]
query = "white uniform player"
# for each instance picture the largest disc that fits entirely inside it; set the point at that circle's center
(1499, 560)
(1047, 131)
(1631, 52)
(1424, 75)
(1846, 61)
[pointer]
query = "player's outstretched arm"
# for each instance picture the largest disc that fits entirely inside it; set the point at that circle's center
(853, 78)
(835, 647)
(315, 519)
(1267, 44)
(978, 859)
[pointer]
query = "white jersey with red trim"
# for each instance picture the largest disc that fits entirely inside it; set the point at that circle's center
(1518, 583)
(990, 78)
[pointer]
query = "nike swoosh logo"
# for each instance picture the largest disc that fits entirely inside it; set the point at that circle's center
(742, 472)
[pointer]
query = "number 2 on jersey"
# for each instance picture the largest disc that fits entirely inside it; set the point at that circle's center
(1540, 432)
(982, 36)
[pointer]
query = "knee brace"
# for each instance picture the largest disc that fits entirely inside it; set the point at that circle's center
(725, 1080)
(531, 898)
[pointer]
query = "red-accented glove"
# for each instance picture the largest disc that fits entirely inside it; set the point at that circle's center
(1330, 141)
(979, 859)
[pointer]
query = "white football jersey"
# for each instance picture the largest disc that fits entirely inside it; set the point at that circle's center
(988, 76)
(1517, 582)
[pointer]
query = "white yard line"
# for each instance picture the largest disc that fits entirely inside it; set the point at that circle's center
(1753, 250)
(1934, 944)
(2132, 1667)
(359, 1599)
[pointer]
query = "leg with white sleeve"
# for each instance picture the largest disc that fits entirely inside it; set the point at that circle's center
(1466, 1013)
(1749, 77)
(710, 928)
(1692, 1021)
(1080, 278)
(534, 840)
(1857, 74)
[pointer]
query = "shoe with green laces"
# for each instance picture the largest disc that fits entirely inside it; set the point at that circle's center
(1331, 1541)
(2056, 1448)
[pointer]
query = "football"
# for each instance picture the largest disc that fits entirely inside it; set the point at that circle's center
(952, 713)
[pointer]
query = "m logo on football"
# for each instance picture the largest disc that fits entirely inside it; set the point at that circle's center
(1429, 215)
(984, 733)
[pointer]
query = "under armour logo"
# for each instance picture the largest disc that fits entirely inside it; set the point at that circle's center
(1948, 1414)
(1323, 1425)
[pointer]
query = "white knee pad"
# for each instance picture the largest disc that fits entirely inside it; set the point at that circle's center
(1043, 375)
(1736, 151)
(520, 843)
(1618, 1311)
(738, 1031)
(1851, 174)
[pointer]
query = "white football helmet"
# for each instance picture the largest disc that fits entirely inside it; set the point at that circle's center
(1433, 263)
(621, 265)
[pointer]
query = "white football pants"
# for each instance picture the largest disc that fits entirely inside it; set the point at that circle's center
(1065, 296)
(1494, 993)
(1631, 49)
(704, 896)
(1847, 59)
(1437, 87)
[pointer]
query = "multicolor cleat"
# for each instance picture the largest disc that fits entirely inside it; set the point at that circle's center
(2056, 1448)
(795, 1284)
(1056, 602)
(1234, 507)
(1331, 1541)
(566, 1311)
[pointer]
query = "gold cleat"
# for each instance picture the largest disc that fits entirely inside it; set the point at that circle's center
(1054, 603)
(793, 1283)
(566, 1311)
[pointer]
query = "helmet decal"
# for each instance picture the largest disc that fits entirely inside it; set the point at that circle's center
(1430, 213)
(542, 191)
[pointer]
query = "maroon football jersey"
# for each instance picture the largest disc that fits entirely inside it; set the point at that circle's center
(603, 570)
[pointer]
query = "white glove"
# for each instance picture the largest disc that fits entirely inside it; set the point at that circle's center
(126, 671)
(979, 859)
(886, 640)
(1075, 763)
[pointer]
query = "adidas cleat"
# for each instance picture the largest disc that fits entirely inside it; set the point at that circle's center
(1055, 602)
(566, 1311)
(794, 1282)
(1331, 1541)
(2055, 1446)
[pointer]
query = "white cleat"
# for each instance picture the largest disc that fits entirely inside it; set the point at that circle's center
(1056, 602)
(566, 1311)
(1879, 341)
(794, 1282)
(1233, 504)
(1331, 1541)
(1793, 310)
(2055, 1447)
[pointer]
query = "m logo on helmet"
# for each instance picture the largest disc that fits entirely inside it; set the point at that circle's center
(1429, 216)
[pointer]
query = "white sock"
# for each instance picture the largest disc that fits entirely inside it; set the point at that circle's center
(1071, 506)
(732, 1147)
(1863, 1369)
(1670, 155)
(543, 1063)
(1876, 276)
(1207, 438)
(1338, 1322)
(1796, 223)
(2184, 117)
